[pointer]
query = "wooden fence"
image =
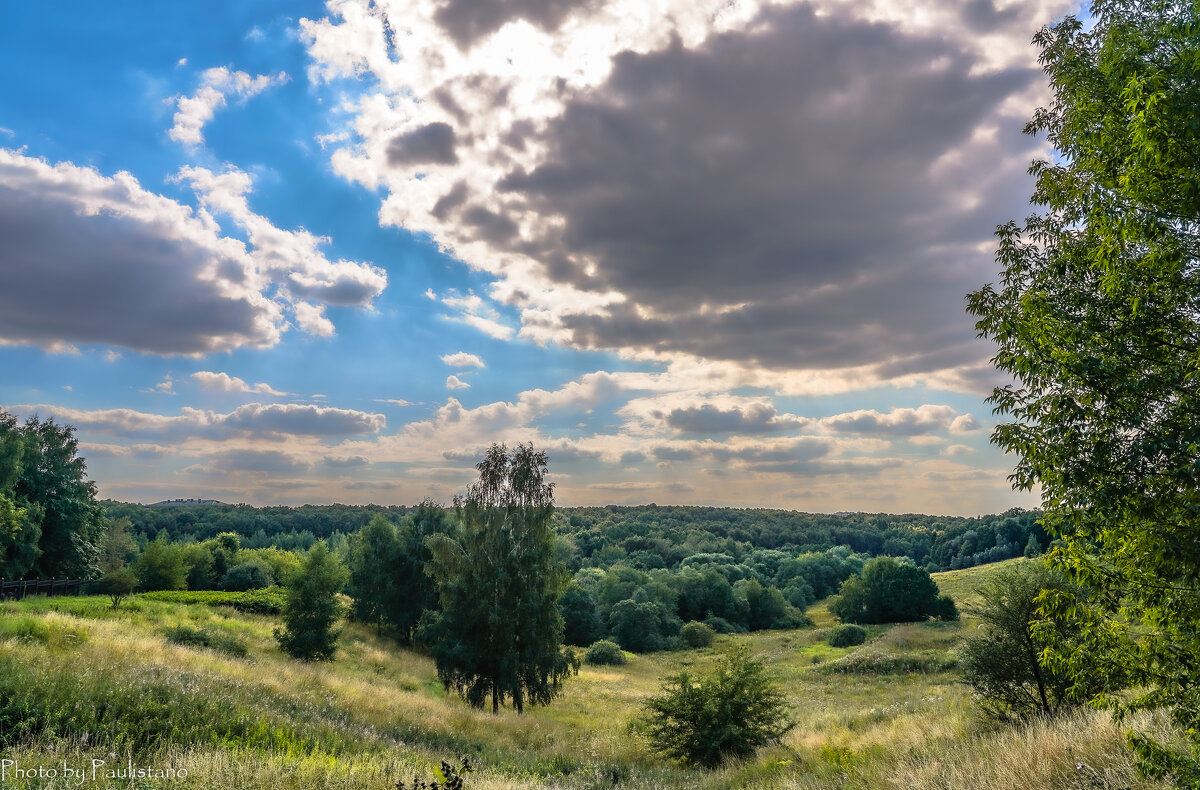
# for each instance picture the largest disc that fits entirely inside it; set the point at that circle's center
(18, 590)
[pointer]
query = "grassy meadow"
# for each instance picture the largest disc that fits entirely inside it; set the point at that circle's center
(79, 682)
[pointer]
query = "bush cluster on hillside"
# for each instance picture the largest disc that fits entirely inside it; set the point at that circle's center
(890, 591)
(728, 714)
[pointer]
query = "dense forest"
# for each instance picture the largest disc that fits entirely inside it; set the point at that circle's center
(645, 537)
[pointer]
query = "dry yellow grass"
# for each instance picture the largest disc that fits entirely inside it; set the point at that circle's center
(860, 731)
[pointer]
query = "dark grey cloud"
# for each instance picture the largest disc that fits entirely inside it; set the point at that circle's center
(784, 178)
(67, 276)
(708, 419)
(433, 143)
(468, 20)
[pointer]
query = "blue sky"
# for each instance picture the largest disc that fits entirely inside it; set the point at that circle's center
(700, 252)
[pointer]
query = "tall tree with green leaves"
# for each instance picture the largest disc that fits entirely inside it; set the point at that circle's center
(311, 607)
(373, 553)
(53, 489)
(1097, 319)
(20, 530)
(498, 633)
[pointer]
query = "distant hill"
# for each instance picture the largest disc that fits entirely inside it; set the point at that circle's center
(186, 503)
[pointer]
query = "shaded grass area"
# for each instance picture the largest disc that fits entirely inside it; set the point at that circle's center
(79, 681)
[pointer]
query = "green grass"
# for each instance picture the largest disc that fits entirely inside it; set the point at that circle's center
(79, 681)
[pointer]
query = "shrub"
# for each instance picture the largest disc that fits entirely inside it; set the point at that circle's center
(202, 637)
(727, 715)
(697, 635)
(1000, 661)
(248, 576)
(605, 651)
(723, 626)
(117, 584)
(269, 600)
(847, 636)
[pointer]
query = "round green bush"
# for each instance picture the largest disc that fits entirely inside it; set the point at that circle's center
(847, 636)
(697, 635)
(605, 651)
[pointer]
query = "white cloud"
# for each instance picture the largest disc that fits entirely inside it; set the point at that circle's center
(164, 387)
(250, 420)
(223, 382)
(462, 359)
(473, 311)
(455, 383)
(215, 85)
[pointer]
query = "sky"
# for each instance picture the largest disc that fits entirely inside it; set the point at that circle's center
(699, 251)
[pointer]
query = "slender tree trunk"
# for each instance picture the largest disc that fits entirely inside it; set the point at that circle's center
(495, 696)
(1037, 669)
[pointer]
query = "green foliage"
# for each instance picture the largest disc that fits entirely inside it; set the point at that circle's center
(499, 631)
(445, 776)
(373, 553)
(1095, 318)
(266, 601)
(388, 581)
(847, 636)
(889, 591)
(253, 575)
(311, 608)
(50, 523)
(695, 634)
(270, 600)
(162, 566)
(728, 714)
(767, 608)
(642, 626)
(605, 651)
(581, 621)
(1032, 548)
(1001, 661)
(117, 584)
(203, 637)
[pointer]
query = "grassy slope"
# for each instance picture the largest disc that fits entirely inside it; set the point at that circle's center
(115, 687)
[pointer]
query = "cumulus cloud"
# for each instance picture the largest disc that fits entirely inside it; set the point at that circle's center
(291, 257)
(98, 259)
(462, 359)
(223, 382)
(455, 383)
(608, 163)
(215, 85)
(925, 419)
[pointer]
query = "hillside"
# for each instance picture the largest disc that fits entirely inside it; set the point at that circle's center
(79, 682)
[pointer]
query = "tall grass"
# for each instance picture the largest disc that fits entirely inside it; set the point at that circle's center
(78, 680)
